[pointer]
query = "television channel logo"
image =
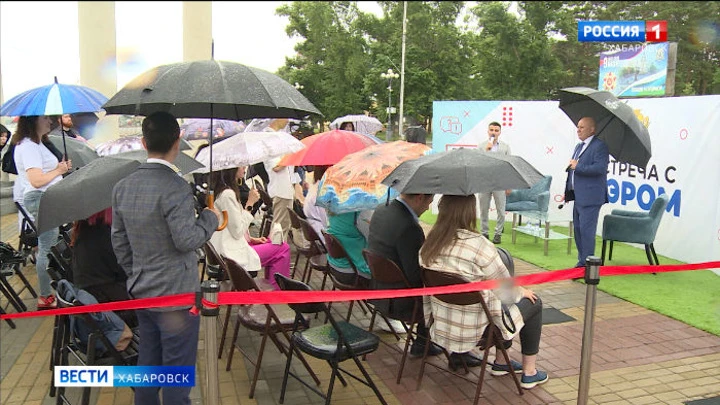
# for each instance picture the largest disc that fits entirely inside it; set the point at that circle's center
(124, 376)
(622, 31)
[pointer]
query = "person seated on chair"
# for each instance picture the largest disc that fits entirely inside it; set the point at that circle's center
(455, 246)
(94, 265)
(351, 229)
(316, 216)
(234, 241)
(395, 234)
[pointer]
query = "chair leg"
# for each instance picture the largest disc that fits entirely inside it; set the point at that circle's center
(652, 249)
(602, 258)
(232, 344)
(224, 331)
(369, 381)
(408, 340)
(287, 372)
(25, 281)
(294, 268)
(507, 361)
(258, 362)
(428, 343)
(611, 249)
(648, 254)
(331, 384)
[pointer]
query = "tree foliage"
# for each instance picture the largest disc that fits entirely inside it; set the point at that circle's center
(493, 50)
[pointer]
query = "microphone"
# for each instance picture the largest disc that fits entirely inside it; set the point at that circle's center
(561, 206)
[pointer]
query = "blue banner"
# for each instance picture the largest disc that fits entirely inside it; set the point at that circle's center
(611, 31)
(634, 70)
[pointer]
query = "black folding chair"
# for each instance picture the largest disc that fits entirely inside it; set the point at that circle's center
(333, 342)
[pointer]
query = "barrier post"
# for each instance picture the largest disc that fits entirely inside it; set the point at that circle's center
(592, 279)
(210, 290)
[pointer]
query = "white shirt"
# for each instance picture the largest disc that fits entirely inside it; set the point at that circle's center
(281, 182)
(232, 241)
(30, 155)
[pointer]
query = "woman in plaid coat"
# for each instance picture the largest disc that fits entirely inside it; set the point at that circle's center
(455, 246)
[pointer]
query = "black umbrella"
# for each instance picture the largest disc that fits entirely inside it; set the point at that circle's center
(78, 151)
(211, 89)
(628, 140)
(185, 163)
(82, 193)
(462, 172)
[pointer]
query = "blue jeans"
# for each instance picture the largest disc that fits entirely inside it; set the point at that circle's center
(45, 241)
(168, 338)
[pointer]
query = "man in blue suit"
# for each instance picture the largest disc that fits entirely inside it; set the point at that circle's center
(587, 184)
(155, 234)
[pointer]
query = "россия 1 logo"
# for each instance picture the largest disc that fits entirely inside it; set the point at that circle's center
(622, 31)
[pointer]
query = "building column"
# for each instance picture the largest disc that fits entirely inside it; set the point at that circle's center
(197, 30)
(98, 51)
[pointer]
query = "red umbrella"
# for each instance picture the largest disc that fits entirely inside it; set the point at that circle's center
(327, 148)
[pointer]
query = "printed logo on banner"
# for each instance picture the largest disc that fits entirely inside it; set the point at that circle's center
(124, 376)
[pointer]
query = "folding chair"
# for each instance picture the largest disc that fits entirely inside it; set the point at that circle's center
(60, 259)
(10, 265)
(306, 252)
(336, 250)
(492, 337)
(213, 265)
(97, 350)
(269, 320)
(318, 256)
(28, 238)
(333, 342)
(387, 274)
(220, 266)
(267, 209)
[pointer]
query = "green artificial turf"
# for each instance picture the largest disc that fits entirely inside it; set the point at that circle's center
(689, 296)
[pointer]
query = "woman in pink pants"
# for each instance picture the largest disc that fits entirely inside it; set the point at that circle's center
(234, 242)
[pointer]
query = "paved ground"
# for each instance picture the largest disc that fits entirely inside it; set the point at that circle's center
(639, 357)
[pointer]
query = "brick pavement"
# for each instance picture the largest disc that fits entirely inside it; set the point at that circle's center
(639, 357)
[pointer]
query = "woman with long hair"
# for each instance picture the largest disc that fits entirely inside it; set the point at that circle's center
(235, 241)
(455, 246)
(94, 264)
(38, 168)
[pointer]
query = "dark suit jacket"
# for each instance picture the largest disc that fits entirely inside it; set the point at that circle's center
(394, 234)
(155, 232)
(591, 174)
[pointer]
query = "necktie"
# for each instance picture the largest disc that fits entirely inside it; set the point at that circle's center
(578, 148)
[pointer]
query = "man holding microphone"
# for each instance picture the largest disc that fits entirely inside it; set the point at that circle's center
(495, 146)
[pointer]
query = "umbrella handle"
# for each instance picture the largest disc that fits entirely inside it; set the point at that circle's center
(211, 205)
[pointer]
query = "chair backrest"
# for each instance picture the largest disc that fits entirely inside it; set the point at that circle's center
(434, 278)
(212, 257)
(289, 284)
(311, 236)
(27, 221)
(658, 209)
(294, 218)
(384, 270)
(507, 260)
(61, 256)
(541, 188)
(240, 278)
(334, 248)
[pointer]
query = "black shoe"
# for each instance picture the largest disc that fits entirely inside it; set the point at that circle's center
(456, 360)
(496, 240)
(417, 349)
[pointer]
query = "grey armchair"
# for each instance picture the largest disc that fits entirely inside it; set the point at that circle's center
(535, 198)
(634, 227)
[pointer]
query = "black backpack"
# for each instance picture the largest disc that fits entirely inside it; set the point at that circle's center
(8, 161)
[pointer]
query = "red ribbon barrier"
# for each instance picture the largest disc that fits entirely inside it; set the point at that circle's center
(292, 297)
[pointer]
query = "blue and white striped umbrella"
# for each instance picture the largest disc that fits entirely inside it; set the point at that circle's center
(55, 99)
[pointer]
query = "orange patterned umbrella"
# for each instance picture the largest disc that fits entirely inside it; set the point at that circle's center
(354, 183)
